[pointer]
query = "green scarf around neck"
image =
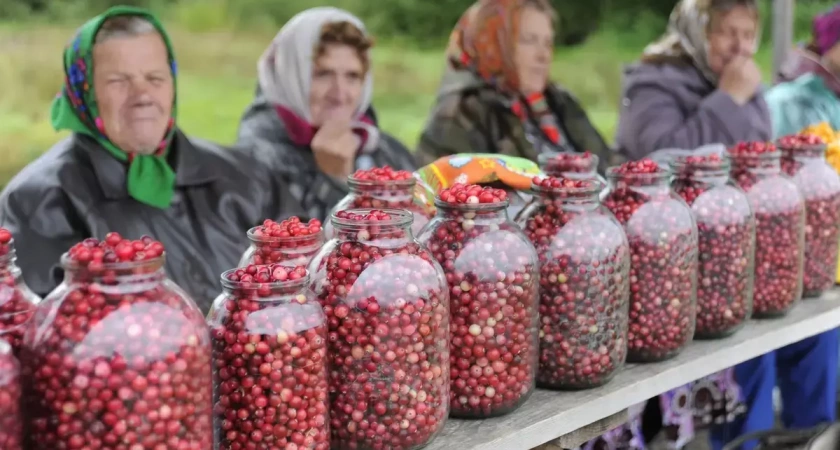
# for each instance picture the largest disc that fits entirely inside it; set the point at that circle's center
(150, 179)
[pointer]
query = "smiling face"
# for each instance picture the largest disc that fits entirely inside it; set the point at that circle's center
(338, 77)
(732, 33)
(534, 49)
(134, 89)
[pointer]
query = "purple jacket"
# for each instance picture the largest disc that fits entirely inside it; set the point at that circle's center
(674, 106)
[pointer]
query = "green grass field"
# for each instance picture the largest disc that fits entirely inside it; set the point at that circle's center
(217, 80)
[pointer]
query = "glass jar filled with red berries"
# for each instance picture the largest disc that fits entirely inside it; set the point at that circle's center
(387, 309)
(11, 419)
(291, 242)
(803, 159)
(663, 259)
(117, 356)
(584, 283)
(270, 354)
(575, 166)
(17, 301)
(779, 229)
(384, 188)
(492, 272)
(726, 235)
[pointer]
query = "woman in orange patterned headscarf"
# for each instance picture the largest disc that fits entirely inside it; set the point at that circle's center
(496, 95)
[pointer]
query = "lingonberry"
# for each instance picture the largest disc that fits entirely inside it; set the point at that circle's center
(387, 309)
(726, 229)
(17, 301)
(11, 419)
(584, 283)
(803, 159)
(270, 354)
(492, 272)
(384, 187)
(119, 356)
(663, 259)
(291, 242)
(780, 227)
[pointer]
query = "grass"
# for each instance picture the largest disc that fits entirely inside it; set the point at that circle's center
(218, 77)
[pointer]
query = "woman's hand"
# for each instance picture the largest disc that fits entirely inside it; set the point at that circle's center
(740, 79)
(335, 146)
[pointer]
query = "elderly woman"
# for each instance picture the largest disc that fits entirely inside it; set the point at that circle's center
(496, 96)
(699, 85)
(128, 168)
(311, 121)
(810, 88)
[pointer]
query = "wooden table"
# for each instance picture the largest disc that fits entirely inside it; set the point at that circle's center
(575, 417)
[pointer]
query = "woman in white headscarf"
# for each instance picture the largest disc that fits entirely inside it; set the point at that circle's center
(311, 120)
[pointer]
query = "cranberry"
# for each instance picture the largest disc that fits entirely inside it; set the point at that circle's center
(584, 283)
(290, 242)
(17, 302)
(10, 415)
(121, 358)
(726, 229)
(388, 317)
(780, 227)
(491, 269)
(270, 354)
(663, 259)
(384, 187)
(569, 165)
(803, 159)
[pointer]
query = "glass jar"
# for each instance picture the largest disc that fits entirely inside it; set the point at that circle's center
(779, 231)
(492, 272)
(289, 242)
(803, 159)
(584, 284)
(269, 354)
(11, 420)
(387, 310)
(575, 166)
(663, 259)
(17, 301)
(117, 356)
(726, 231)
(368, 191)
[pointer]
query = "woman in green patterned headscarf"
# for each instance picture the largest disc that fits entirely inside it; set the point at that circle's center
(133, 127)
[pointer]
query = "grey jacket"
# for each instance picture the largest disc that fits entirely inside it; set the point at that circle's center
(674, 106)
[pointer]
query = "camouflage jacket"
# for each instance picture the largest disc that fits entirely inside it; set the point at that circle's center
(477, 119)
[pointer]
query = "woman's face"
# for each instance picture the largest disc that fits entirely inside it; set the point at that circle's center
(338, 78)
(134, 91)
(534, 50)
(731, 34)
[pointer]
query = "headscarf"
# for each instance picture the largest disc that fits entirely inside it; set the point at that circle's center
(687, 35)
(826, 30)
(285, 69)
(150, 179)
(483, 43)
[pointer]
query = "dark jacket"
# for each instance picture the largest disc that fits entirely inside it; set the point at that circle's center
(77, 190)
(673, 106)
(478, 119)
(262, 135)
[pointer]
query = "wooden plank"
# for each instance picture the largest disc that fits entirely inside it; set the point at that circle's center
(548, 415)
(782, 33)
(591, 431)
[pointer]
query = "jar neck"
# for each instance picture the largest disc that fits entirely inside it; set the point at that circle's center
(277, 292)
(804, 153)
(9, 270)
(300, 243)
(569, 197)
(398, 227)
(482, 213)
(713, 174)
(381, 188)
(759, 165)
(569, 166)
(650, 183)
(137, 273)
